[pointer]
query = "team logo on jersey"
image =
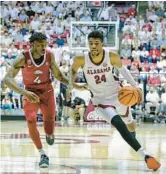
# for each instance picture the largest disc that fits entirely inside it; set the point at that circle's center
(38, 72)
(104, 64)
(29, 62)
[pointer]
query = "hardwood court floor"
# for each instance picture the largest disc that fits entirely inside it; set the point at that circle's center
(93, 148)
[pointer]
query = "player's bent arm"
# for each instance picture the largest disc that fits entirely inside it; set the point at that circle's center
(116, 61)
(9, 80)
(79, 62)
(57, 73)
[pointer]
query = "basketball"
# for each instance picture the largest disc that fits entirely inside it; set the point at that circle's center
(129, 96)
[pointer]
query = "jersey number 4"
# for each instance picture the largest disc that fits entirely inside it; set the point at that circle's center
(37, 80)
(99, 79)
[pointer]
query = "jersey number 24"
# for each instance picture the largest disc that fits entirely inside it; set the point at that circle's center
(99, 79)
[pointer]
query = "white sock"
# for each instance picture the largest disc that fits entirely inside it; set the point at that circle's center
(50, 136)
(142, 152)
(42, 152)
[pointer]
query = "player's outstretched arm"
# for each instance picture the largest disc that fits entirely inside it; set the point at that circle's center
(10, 82)
(116, 61)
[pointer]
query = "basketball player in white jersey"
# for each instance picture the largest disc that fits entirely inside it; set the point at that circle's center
(98, 66)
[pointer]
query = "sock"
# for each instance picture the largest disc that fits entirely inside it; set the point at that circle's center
(133, 134)
(50, 136)
(118, 123)
(142, 152)
(41, 151)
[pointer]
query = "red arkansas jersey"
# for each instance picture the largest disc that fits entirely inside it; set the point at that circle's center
(36, 76)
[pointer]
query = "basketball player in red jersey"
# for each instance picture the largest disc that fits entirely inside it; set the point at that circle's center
(98, 66)
(36, 65)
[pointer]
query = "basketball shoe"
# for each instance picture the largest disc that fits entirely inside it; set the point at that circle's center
(50, 139)
(44, 161)
(152, 163)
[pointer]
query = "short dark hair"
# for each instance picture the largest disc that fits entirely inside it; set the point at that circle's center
(96, 34)
(37, 36)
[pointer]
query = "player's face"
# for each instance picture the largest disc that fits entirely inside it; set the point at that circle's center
(40, 47)
(95, 46)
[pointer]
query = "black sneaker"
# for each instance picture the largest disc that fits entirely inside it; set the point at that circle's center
(44, 161)
(50, 139)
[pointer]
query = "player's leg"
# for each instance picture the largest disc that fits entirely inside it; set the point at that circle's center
(126, 115)
(47, 107)
(110, 115)
(30, 110)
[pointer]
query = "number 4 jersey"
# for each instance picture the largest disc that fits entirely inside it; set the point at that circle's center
(100, 77)
(36, 76)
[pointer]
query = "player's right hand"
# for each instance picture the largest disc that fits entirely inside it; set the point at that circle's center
(31, 97)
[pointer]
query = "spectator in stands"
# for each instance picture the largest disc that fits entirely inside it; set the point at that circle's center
(147, 25)
(12, 52)
(163, 74)
(145, 37)
(152, 100)
(163, 104)
(153, 70)
(6, 105)
(30, 12)
(136, 53)
(125, 52)
(27, 36)
(78, 109)
(155, 43)
(136, 43)
(60, 42)
(13, 30)
(132, 11)
(154, 55)
(127, 41)
(35, 23)
(143, 74)
(6, 40)
(23, 17)
(144, 56)
(154, 80)
(16, 98)
(59, 28)
(80, 77)
(134, 72)
(162, 42)
(86, 16)
(113, 14)
(19, 37)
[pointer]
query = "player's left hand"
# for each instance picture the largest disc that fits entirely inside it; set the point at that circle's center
(140, 95)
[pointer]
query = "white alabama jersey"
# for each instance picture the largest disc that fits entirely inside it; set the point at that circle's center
(101, 80)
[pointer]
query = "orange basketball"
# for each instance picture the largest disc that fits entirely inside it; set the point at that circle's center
(129, 96)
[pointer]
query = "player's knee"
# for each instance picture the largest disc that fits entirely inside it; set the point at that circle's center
(31, 121)
(31, 118)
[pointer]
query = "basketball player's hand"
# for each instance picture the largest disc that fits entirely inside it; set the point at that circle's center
(140, 96)
(31, 97)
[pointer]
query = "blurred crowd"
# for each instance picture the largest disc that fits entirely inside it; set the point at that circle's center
(142, 39)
